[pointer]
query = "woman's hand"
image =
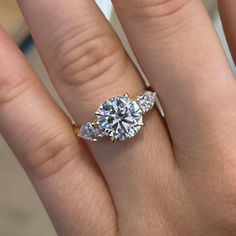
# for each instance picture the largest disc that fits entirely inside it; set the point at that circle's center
(176, 177)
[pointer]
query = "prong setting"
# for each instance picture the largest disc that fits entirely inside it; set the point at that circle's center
(119, 118)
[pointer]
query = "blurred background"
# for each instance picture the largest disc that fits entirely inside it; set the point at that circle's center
(21, 213)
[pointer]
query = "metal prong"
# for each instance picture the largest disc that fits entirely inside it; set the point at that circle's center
(95, 123)
(126, 95)
(139, 124)
(97, 113)
(113, 139)
(77, 131)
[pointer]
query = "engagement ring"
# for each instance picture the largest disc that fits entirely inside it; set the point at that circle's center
(119, 118)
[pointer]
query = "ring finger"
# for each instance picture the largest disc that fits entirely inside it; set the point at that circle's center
(87, 65)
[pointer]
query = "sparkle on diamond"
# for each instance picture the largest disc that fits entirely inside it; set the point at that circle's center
(119, 117)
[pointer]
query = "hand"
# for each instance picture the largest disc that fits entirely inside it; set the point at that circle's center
(176, 177)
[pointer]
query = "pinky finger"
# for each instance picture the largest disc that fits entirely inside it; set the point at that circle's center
(60, 168)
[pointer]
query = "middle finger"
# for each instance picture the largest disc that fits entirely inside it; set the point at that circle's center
(180, 53)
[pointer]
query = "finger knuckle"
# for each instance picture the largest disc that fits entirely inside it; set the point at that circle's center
(91, 56)
(12, 87)
(150, 9)
(50, 153)
(167, 17)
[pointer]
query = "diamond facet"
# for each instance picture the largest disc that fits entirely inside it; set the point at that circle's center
(89, 131)
(146, 100)
(120, 118)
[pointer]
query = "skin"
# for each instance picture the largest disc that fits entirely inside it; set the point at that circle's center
(176, 177)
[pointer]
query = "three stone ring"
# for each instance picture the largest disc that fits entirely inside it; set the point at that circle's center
(119, 118)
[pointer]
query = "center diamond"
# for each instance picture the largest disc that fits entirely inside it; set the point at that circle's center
(119, 117)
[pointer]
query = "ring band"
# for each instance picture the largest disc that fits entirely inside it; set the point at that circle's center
(119, 118)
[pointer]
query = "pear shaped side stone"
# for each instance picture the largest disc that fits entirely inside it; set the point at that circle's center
(146, 100)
